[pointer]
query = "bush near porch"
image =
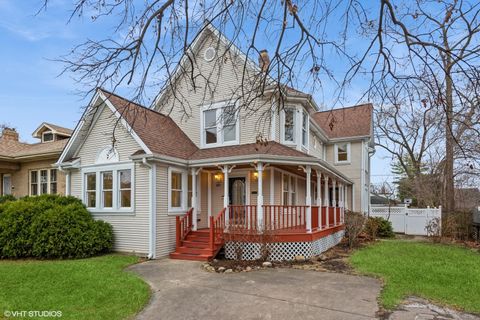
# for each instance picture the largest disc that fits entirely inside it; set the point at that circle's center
(441, 273)
(94, 288)
(51, 226)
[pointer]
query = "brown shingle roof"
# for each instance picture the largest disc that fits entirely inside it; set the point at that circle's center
(158, 131)
(271, 148)
(14, 149)
(61, 130)
(346, 122)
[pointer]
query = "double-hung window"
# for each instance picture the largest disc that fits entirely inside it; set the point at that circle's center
(109, 189)
(180, 190)
(305, 127)
(220, 125)
(342, 153)
(43, 181)
(289, 125)
(289, 190)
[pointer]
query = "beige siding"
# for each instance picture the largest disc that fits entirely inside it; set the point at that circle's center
(21, 178)
(165, 236)
(225, 79)
(131, 231)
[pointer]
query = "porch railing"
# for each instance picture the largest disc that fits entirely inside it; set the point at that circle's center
(243, 216)
(278, 217)
(183, 226)
(217, 228)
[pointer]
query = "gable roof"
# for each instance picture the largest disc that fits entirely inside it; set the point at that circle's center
(158, 131)
(347, 122)
(52, 127)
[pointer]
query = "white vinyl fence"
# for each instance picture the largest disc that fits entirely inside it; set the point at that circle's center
(406, 220)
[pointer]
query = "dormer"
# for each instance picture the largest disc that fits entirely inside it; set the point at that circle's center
(48, 132)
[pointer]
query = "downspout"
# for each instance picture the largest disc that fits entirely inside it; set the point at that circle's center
(153, 209)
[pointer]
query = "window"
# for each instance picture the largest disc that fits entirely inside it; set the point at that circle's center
(190, 191)
(176, 190)
(91, 190)
(289, 190)
(305, 129)
(220, 125)
(342, 152)
(43, 181)
(289, 125)
(47, 136)
(33, 183)
(125, 188)
(107, 189)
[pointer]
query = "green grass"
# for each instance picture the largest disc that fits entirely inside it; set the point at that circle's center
(448, 275)
(95, 288)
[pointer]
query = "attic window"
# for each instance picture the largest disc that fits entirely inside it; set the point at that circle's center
(47, 136)
(209, 54)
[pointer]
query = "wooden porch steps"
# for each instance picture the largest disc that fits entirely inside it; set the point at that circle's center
(196, 247)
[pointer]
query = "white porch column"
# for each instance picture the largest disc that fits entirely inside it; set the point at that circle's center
(260, 196)
(226, 195)
(346, 197)
(194, 197)
(308, 198)
(326, 202)
(340, 196)
(334, 202)
(209, 196)
(67, 183)
(319, 189)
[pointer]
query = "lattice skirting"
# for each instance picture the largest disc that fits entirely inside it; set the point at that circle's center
(281, 251)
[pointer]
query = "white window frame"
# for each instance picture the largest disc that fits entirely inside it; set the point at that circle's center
(306, 129)
(48, 132)
(218, 107)
(349, 154)
(184, 203)
(49, 181)
(292, 192)
(295, 126)
(116, 206)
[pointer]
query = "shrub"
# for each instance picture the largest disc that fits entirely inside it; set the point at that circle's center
(457, 225)
(7, 197)
(354, 222)
(379, 227)
(51, 227)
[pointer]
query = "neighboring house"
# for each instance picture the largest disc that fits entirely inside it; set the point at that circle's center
(381, 200)
(26, 169)
(467, 199)
(178, 182)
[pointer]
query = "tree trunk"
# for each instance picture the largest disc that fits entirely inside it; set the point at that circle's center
(449, 189)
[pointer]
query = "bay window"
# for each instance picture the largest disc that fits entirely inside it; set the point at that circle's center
(109, 189)
(219, 125)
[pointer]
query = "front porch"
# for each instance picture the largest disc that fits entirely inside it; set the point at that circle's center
(289, 221)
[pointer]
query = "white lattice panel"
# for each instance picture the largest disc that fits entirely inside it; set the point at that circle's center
(281, 251)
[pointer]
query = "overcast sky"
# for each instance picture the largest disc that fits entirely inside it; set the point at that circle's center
(31, 89)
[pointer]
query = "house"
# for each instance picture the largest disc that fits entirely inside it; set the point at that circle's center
(27, 169)
(191, 175)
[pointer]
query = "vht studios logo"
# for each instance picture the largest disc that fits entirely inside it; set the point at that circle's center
(32, 314)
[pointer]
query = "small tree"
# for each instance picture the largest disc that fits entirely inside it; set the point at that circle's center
(354, 222)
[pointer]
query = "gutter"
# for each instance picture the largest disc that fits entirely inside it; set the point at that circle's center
(153, 209)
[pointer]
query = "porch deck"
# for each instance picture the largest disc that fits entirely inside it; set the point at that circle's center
(274, 224)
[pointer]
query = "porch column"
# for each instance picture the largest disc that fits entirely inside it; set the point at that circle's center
(308, 199)
(340, 197)
(326, 202)
(260, 196)
(67, 183)
(194, 197)
(346, 197)
(334, 202)
(209, 196)
(226, 195)
(319, 188)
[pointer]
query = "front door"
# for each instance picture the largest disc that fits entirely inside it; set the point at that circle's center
(237, 191)
(7, 184)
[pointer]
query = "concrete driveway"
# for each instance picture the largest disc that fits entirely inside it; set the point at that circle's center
(183, 290)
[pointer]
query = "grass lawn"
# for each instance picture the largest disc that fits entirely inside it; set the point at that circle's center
(446, 274)
(95, 288)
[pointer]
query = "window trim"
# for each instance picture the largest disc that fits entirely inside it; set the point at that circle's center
(219, 125)
(349, 154)
(292, 192)
(116, 207)
(48, 132)
(38, 183)
(307, 129)
(184, 203)
(282, 126)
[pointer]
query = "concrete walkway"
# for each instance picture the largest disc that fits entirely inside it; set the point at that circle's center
(183, 290)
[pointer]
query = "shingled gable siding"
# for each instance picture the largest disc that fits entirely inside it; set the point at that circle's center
(226, 85)
(131, 230)
(353, 170)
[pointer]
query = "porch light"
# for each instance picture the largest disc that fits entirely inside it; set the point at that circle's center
(217, 177)
(255, 175)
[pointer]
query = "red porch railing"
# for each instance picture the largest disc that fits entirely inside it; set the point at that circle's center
(324, 217)
(315, 217)
(183, 226)
(243, 216)
(217, 227)
(331, 216)
(339, 214)
(277, 217)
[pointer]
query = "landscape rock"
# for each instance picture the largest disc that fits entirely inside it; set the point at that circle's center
(267, 264)
(300, 258)
(248, 269)
(228, 271)
(221, 269)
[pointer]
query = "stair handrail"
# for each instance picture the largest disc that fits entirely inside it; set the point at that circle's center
(183, 227)
(217, 226)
